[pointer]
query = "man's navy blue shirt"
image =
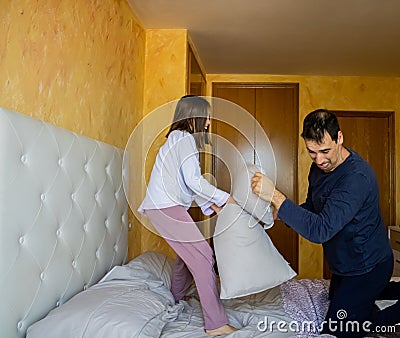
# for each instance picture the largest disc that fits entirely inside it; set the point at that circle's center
(342, 212)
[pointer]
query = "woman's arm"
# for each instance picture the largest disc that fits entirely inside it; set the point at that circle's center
(190, 170)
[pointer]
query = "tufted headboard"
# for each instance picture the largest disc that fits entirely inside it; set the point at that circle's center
(63, 217)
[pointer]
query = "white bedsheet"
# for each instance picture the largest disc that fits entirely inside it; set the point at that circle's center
(135, 301)
(254, 315)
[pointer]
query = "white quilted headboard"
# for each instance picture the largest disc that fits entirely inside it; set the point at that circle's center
(63, 217)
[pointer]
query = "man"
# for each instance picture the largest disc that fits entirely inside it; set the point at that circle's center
(342, 212)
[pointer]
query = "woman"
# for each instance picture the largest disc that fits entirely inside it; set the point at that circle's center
(174, 183)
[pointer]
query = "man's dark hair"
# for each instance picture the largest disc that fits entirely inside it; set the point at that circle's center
(317, 123)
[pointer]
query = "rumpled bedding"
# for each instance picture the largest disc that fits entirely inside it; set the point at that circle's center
(134, 300)
(307, 302)
(255, 315)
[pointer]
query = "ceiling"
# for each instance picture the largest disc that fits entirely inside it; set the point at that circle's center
(309, 37)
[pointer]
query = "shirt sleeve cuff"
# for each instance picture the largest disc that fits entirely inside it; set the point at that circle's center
(205, 208)
(222, 200)
(284, 208)
(205, 205)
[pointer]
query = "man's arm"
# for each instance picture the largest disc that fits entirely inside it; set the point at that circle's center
(340, 208)
(308, 203)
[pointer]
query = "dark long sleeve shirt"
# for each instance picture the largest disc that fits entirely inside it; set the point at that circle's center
(342, 212)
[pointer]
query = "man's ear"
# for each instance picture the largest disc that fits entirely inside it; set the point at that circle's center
(340, 137)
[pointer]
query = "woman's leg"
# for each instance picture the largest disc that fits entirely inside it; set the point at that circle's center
(181, 279)
(182, 234)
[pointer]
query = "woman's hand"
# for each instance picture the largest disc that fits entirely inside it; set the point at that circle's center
(216, 208)
(230, 200)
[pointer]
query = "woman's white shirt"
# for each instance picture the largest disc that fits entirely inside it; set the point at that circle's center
(176, 178)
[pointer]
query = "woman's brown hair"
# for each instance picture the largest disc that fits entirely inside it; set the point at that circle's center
(191, 115)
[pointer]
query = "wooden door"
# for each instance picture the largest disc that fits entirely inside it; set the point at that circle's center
(275, 107)
(277, 113)
(371, 135)
(244, 97)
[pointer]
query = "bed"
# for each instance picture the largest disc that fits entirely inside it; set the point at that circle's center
(63, 261)
(63, 217)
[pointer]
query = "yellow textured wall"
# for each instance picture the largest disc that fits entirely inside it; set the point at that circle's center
(77, 64)
(336, 93)
(166, 66)
(165, 81)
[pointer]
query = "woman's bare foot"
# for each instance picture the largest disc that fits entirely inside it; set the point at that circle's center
(226, 329)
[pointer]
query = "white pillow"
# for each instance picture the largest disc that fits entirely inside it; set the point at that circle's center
(244, 196)
(107, 310)
(248, 262)
(133, 300)
(156, 264)
(150, 268)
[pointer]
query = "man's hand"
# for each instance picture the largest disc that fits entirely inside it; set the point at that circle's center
(274, 213)
(263, 187)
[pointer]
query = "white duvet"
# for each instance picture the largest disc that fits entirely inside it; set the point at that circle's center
(134, 301)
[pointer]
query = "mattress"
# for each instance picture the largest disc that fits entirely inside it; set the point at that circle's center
(134, 300)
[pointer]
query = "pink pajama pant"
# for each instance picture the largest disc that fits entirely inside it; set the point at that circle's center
(194, 261)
